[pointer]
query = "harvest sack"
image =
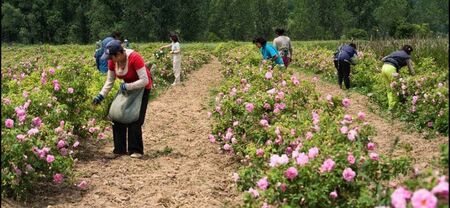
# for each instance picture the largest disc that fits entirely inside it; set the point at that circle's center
(126, 106)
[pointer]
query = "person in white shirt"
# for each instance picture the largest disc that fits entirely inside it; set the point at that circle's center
(283, 44)
(176, 52)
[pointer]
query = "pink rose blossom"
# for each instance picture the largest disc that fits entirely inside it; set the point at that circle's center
(352, 135)
(374, 156)
(361, 116)
(58, 178)
(422, 198)
(61, 143)
(50, 158)
(82, 185)
(346, 102)
(63, 151)
(276, 160)
(264, 123)
(9, 123)
(25, 94)
(36, 121)
(75, 145)
(211, 138)
(267, 106)
(309, 135)
(291, 173)
(263, 183)
(70, 90)
(327, 166)
(33, 131)
(329, 98)
(371, 146)
(283, 83)
(312, 153)
(227, 147)
(52, 71)
(348, 174)
(344, 130)
(249, 107)
(235, 177)
(333, 195)
(441, 188)
(253, 192)
(302, 159)
(268, 75)
(271, 91)
(283, 187)
(351, 158)
(430, 124)
(265, 205)
(260, 152)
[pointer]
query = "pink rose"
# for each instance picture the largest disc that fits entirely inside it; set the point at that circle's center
(82, 185)
(58, 178)
(346, 102)
(351, 159)
(211, 138)
(253, 192)
(227, 147)
(249, 107)
(312, 153)
(70, 90)
(61, 143)
(374, 156)
(361, 116)
(260, 152)
(263, 183)
(424, 199)
(9, 123)
(333, 195)
(348, 174)
(327, 166)
(352, 135)
(268, 75)
(302, 159)
(371, 146)
(76, 144)
(441, 189)
(291, 173)
(264, 123)
(309, 135)
(36, 121)
(235, 177)
(344, 130)
(50, 158)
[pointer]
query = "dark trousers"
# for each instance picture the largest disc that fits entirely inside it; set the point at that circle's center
(343, 69)
(135, 143)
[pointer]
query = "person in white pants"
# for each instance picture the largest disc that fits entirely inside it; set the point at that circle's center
(176, 52)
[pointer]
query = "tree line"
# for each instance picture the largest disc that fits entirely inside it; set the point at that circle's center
(85, 21)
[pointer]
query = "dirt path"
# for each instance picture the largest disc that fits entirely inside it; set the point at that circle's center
(412, 144)
(181, 168)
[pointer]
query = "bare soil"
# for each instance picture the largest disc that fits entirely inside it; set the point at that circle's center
(180, 168)
(409, 143)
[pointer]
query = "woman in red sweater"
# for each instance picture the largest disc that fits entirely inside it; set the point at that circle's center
(128, 66)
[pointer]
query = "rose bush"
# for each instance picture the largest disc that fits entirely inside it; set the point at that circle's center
(422, 97)
(296, 147)
(47, 110)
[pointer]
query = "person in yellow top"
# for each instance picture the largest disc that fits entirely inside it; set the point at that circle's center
(392, 64)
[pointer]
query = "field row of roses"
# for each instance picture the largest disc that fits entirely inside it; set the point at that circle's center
(298, 148)
(423, 97)
(47, 112)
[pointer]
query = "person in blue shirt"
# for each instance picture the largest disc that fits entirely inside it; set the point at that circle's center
(268, 51)
(102, 65)
(343, 58)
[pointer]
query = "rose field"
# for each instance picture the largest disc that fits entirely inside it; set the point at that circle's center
(234, 134)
